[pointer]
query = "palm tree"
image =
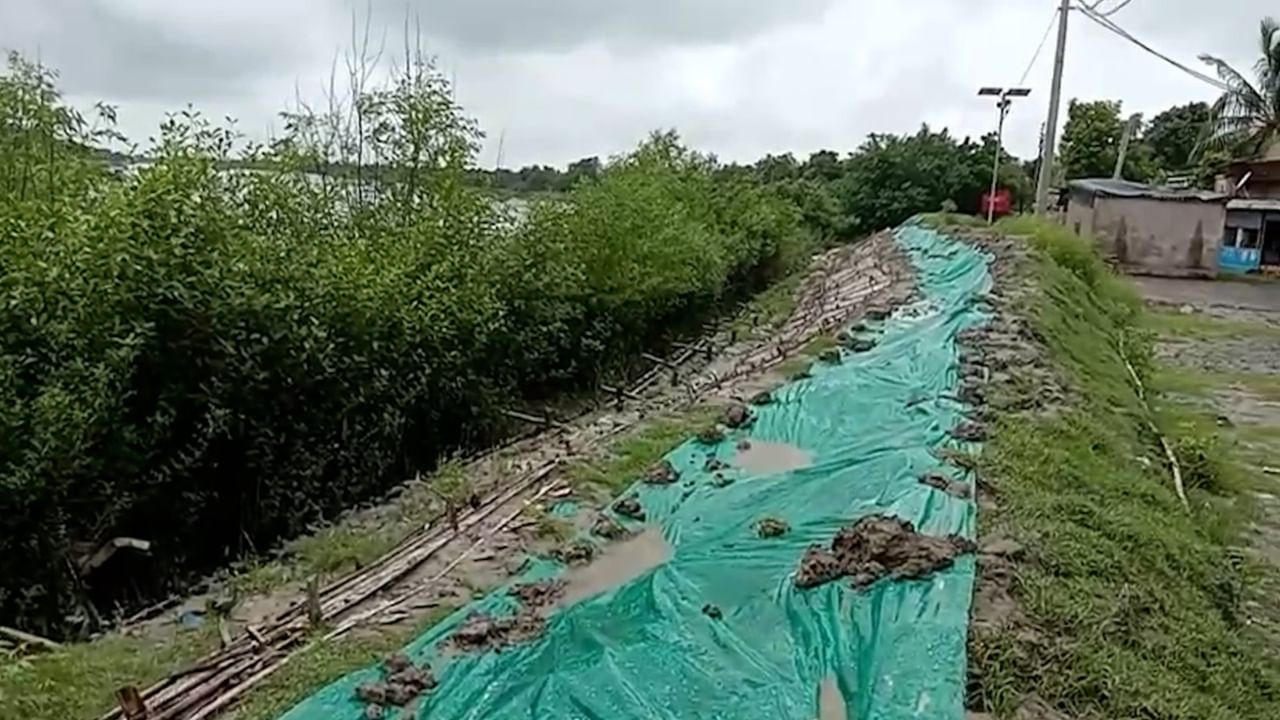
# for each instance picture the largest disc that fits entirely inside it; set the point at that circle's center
(1246, 119)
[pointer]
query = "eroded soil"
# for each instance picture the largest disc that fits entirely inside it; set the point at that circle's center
(876, 547)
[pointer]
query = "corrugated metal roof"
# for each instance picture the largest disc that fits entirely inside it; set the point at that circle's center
(1254, 204)
(1108, 187)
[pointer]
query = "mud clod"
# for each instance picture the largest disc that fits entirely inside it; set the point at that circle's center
(485, 632)
(772, 527)
(862, 345)
(404, 682)
(963, 460)
(721, 481)
(397, 663)
(608, 528)
(832, 356)
(538, 595)
(713, 611)
(662, 473)
(578, 552)
(630, 508)
(738, 416)
(715, 465)
(954, 488)
(876, 314)
(801, 375)
(969, 432)
(744, 445)
(762, 398)
(876, 547)
(373, 692)
(710, 435)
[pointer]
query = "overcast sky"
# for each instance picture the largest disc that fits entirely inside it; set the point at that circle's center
(564, 79)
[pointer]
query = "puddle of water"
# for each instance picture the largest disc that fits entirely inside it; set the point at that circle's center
(766, 458)
(830, 701)
(619, 564)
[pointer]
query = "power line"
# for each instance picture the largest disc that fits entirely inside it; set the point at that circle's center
(1113, 27)
(1116, 9)
(1053, 20)
(1109, 13)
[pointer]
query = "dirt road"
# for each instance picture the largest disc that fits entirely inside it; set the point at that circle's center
(1219, 346)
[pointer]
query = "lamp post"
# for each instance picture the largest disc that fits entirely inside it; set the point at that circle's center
(1005, 95)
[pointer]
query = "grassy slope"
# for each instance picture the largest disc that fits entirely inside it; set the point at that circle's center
(1131, 603)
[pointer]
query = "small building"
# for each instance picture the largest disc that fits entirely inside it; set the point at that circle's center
(1251, 241)
(1151, 230)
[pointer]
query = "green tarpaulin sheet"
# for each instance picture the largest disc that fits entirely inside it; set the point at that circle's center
(647, 651)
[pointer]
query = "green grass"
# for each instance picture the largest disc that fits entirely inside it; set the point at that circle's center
(1199, 326)
(1132, 605)
(326, 662)
(632, 454)
(80, 681)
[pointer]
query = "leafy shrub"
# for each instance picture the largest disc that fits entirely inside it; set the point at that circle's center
(212, 359)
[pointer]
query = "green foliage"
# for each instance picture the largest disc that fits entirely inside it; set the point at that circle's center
(215, 360)
(1133, 603)
(892, 178)
(1174, 134)
(1091, 143)
(1246, 118)
(80, 681)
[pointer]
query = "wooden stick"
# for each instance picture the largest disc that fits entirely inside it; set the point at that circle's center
(28, 638)
(658, 360)
(1174, 468)
(132, 706)
(621, 391)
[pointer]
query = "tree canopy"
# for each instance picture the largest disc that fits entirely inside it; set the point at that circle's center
(1246, 119)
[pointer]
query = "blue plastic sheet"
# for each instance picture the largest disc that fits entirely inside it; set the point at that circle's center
(647, 650)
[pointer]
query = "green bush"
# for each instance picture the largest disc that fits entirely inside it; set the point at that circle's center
(214, 359)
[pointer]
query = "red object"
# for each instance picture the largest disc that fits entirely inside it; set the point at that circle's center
(1003, 202)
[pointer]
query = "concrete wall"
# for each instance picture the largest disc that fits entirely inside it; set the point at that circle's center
(1162, 237)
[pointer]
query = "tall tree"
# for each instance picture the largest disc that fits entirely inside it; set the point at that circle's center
(1246, 119)
(1091, 143)
(1174, 134)
(1091, 138)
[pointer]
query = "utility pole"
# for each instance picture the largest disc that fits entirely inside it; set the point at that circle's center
(1055, 102)
(1002, 105)
(1130, 129)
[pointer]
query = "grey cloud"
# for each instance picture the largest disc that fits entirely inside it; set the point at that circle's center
(524, 25)
(103, 50)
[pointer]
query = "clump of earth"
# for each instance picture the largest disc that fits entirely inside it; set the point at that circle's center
(862, 345)
(402, 683)
(969, 432)
(608, 528)
(762, 398)
(629, 507)
(577, 552)
(737, 416)
(955, 488)
(715, 465)
(538, 594)
(710, 435)
(876, 547)
(662, 473)
(771, 527)
(482, 631)
(831, 357)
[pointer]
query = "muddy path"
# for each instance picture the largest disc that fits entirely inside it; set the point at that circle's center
(693, 611)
